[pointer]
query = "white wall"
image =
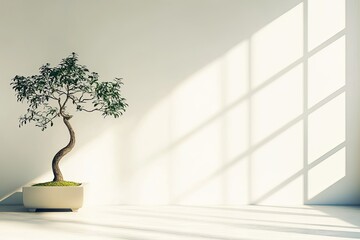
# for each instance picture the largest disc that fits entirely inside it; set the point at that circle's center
(231, 102)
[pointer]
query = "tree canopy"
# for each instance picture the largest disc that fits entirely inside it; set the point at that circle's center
(50, 93)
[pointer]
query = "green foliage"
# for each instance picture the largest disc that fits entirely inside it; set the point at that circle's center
(49, 93)
(57, 184)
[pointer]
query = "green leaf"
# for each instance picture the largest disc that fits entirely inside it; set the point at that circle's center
(68, 80)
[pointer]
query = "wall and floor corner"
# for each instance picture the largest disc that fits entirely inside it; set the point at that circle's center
(231, 102)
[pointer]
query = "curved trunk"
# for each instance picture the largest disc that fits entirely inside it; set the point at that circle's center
(58, 156)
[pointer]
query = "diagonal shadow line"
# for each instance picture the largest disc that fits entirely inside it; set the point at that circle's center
(194, 216)
(220, 220)
(327, 155)
(247, 96)
(186, 233)
(258, 145)
(228, 108)
(163, 231)
(326, 100)
(240, 157)
(278, 187)
(289, 67)
(273, 228)
(325, 44)
(297, 174)
(330, 233)
(262, 211)
(175, 209)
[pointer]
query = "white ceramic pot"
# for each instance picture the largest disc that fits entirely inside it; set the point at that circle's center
(35, 197)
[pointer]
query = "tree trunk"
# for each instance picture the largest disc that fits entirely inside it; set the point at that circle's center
(59, 155)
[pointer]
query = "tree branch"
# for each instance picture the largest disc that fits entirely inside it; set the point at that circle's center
(50, 119)
(92, 110)
(60, 92)
(66, 99)
(67, 84)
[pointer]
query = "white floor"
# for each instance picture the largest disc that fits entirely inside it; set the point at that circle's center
(183, 222)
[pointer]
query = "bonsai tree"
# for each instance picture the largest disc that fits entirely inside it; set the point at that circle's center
(68, 87)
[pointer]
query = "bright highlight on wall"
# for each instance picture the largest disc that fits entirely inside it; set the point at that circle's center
(261, 124)
(277, 45)
(264, 123)
(326, 71)
(324, 20)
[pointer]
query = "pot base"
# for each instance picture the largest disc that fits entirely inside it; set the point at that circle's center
(53, 197)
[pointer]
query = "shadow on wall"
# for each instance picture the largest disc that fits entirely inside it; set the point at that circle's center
(156, 44)
(14, 198)
(265, 123)
(238, 102)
